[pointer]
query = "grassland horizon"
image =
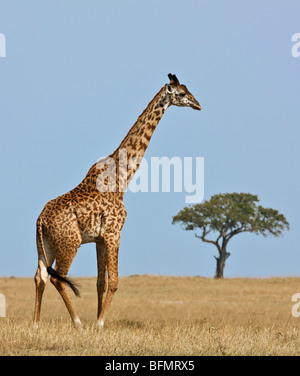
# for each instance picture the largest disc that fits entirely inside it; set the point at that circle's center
(157, 316)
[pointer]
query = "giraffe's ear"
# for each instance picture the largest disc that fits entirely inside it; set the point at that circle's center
(170, 89)
(173, 79)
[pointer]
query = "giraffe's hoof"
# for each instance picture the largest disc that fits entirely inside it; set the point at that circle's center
(77, 323)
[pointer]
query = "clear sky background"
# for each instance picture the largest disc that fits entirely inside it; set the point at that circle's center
(76, 76)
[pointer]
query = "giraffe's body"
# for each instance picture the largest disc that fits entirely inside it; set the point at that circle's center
(92, 213)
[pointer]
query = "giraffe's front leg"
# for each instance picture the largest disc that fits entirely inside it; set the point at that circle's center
(112, 250)
(102, 273)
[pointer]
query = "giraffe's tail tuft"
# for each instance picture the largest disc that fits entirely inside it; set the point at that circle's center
(73, 285)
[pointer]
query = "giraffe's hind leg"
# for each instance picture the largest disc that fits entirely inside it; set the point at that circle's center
(40, 279)
(64, 258)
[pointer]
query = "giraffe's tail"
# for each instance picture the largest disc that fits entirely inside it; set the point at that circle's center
(54, 274)
(70, 282)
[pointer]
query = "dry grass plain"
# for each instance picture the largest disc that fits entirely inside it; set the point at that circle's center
(157, 316)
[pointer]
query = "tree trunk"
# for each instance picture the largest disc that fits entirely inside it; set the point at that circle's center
(221, 262)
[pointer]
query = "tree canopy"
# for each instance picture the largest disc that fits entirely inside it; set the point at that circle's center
(229, 214)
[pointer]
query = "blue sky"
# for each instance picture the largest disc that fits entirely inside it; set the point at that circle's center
(76, 76)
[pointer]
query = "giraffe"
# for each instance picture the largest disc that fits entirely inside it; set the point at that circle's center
(91, 212)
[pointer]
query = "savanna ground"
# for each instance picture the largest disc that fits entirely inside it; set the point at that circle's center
(157, 316)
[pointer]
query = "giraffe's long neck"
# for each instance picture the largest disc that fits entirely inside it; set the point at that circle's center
(130, 152)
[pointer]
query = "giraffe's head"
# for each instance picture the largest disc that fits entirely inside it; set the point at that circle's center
(179, 95)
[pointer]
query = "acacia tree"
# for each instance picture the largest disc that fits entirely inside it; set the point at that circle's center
(227, 215)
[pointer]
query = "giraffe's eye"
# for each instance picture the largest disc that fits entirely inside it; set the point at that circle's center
(182, 95)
